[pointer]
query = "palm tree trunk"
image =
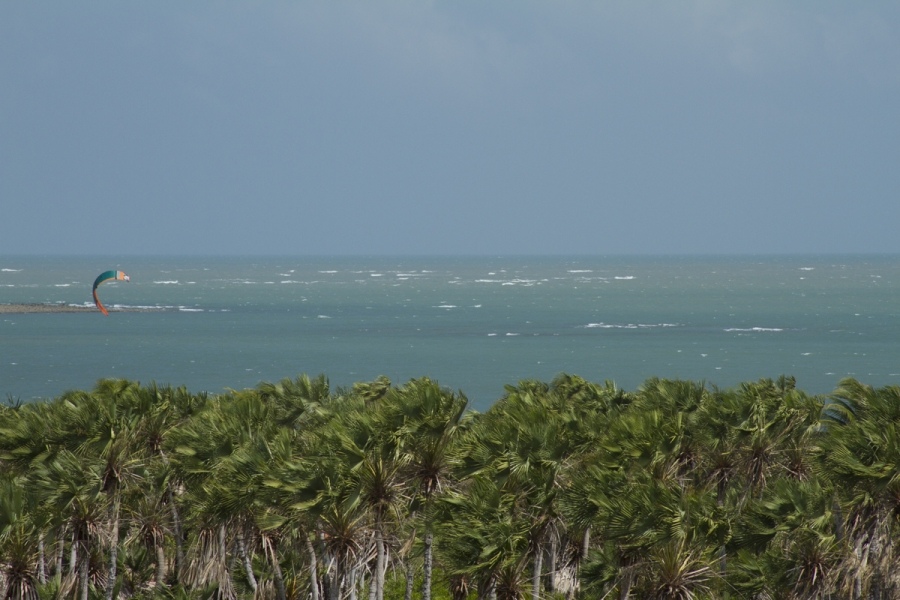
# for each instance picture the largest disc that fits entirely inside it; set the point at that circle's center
(625, 585)
(332, 576)
(410, 580)
(113, 546)
(536, 573)
(428, 565)
(42, 563)
(272, 553)
(554, 551)
(73, 554)
(356, 583)
(485, 589)
(280, 592)
(313, 570)
(334, 588)
(84, 568)
(245, 559)
(60, 550)
(176, 523)
(723, 551)
(160, 565)
(223, 560)
(334, 582)
(178, 533)
(379, 562)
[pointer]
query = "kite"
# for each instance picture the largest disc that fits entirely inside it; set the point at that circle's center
(107, 276)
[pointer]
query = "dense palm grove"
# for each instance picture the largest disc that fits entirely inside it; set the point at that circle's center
(570, 489)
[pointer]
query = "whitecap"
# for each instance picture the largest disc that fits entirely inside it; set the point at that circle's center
(328, 272)
(753, 329)
(511, 334)
(624, 277)
(10, 270)
(807, 268)
(492, 335)
(628, 325)
(167, 282)
(323, 317)
(62, 285)
(185, 309)
(445, 306)
(579, 271)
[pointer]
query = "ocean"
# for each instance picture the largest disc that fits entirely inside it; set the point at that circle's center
(474, 324)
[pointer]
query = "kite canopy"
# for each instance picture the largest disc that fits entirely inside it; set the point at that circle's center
(107, 276)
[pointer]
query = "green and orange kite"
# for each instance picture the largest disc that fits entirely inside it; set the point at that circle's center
(107, 276)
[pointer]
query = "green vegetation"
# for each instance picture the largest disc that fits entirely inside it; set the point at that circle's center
(567, 489)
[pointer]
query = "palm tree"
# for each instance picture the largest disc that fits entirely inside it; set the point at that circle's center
(220, 454)
(112, 418)
(76, 488)
(299, 403)
(18, 536)
(150, 526)
(371, 460)
(785, 542)
(426, 419)
(526, 443)
(483, 539)
(310, 490)
(82, 458)
(162, 409)
(861, 456)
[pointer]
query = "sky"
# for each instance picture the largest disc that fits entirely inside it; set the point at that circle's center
(449, 127)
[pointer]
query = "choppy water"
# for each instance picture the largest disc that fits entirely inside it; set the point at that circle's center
(473, 324)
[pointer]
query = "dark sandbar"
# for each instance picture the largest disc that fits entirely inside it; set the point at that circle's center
(56, 308)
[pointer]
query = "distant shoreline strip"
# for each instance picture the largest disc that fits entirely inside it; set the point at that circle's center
(7, 309)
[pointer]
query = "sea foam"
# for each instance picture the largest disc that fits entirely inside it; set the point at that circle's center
(628, 325)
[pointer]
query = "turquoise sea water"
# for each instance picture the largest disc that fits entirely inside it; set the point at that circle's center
(474, 324)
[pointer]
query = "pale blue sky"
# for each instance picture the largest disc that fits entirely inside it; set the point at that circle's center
(564, 127)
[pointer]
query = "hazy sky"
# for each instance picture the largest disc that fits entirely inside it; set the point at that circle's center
(418, 127)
